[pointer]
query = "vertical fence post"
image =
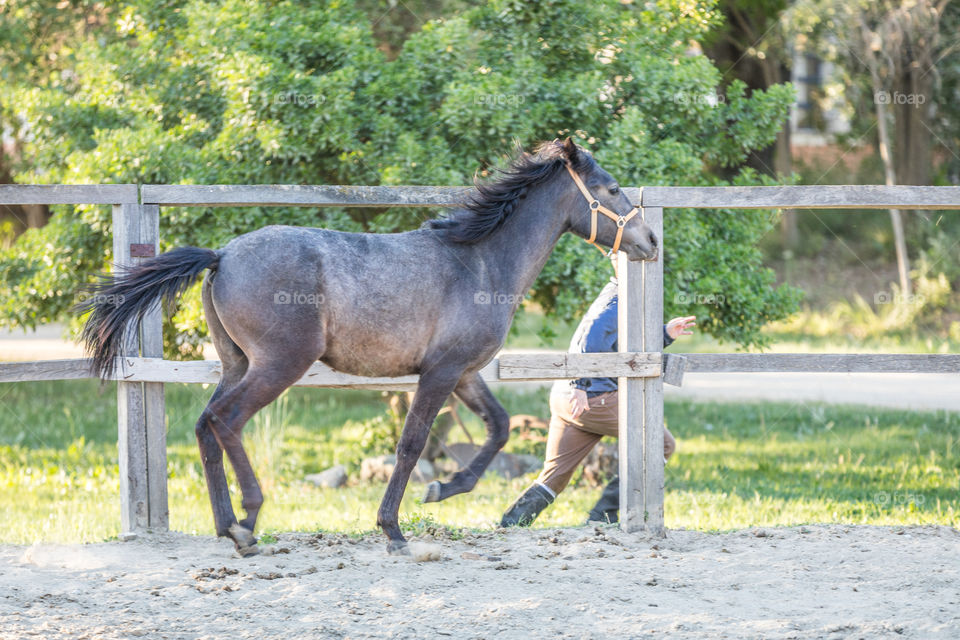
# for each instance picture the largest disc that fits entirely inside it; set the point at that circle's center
(641, 399)
(151, 336)
(141, 424)
(131, 422)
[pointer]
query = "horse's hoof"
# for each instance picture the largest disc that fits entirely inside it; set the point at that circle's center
(243, 538)
(433, 492)
(398, 548)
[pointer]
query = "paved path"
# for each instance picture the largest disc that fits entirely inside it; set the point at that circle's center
(890, 390)
(896, 390)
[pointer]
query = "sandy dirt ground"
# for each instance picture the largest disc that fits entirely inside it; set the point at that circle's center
(805, 582)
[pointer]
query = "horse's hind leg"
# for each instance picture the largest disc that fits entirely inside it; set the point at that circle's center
(229, 412)
(234, 364)
(432, 391)
(211, 455)
(474, 393)
(249, 382)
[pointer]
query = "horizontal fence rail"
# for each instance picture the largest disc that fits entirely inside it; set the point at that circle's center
(516, 367)
(18, 194)
(797, 197)
(275, 195)
(510, 367)
(822, 363)
(794, 197)
(801, 197)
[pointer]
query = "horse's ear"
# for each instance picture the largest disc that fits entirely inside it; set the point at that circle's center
(570, 150)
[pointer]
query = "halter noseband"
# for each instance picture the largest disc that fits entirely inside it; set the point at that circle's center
(595, 206)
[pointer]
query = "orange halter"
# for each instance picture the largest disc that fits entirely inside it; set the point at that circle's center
(595, 206)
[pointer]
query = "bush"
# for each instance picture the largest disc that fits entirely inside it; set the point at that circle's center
(297, 92)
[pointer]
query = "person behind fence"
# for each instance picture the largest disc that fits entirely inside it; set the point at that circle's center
(582, 411)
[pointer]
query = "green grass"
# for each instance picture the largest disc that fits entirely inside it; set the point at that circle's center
(737, 465)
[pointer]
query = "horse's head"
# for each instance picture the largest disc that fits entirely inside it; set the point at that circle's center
(600, 212)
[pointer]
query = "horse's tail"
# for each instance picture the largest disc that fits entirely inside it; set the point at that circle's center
(118, 299)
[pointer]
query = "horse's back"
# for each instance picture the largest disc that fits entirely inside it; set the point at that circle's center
(369, 304)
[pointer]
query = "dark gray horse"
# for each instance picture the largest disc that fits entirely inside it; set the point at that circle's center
(436, 302)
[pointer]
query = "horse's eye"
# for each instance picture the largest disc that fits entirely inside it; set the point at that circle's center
(614, 190)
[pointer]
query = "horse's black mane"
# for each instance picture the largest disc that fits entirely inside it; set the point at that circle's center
(494, 201)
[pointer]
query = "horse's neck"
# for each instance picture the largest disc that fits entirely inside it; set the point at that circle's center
(516, 253)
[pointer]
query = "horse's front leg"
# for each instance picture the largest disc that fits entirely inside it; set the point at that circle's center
(432, 392)
(475, 393)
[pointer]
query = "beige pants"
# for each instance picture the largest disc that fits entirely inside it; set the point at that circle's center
(571, 439)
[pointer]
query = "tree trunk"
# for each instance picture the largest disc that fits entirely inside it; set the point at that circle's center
(913, 140)
(896, 219)
(880, 101)
(783, 165)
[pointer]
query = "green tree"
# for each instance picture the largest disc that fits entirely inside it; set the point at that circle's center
(37, 41)
(298, 92)
(889, 51)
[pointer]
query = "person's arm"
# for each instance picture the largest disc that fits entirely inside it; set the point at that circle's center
(667, 338)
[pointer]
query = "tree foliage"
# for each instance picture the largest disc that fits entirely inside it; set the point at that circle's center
(190, 91)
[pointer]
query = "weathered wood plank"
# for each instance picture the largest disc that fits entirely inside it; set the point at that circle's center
(132, 458)
(309, 195)
(631, 401)
(640, 328)
(131, 411)
(74, 369)
(674, 367)
(822, 362)
(173, 371)
(801, 197)
(518, 367)
(151, 346)
(208, 371)
(68, 193)
(553, 366)
(653, 424)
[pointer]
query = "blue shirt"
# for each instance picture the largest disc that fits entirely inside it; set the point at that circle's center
(597, 333)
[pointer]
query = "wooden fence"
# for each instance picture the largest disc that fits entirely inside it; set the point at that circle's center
(641, 366)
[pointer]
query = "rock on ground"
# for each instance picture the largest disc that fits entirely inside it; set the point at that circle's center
(508, 465)
(332, 478)
(379, 468)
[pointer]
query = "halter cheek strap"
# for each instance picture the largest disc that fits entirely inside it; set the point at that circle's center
(596, 207)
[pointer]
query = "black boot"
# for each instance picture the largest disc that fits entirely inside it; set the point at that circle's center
(607, 509)
(527, 507)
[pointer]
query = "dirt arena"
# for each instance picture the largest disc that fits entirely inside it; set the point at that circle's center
(803, 582)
